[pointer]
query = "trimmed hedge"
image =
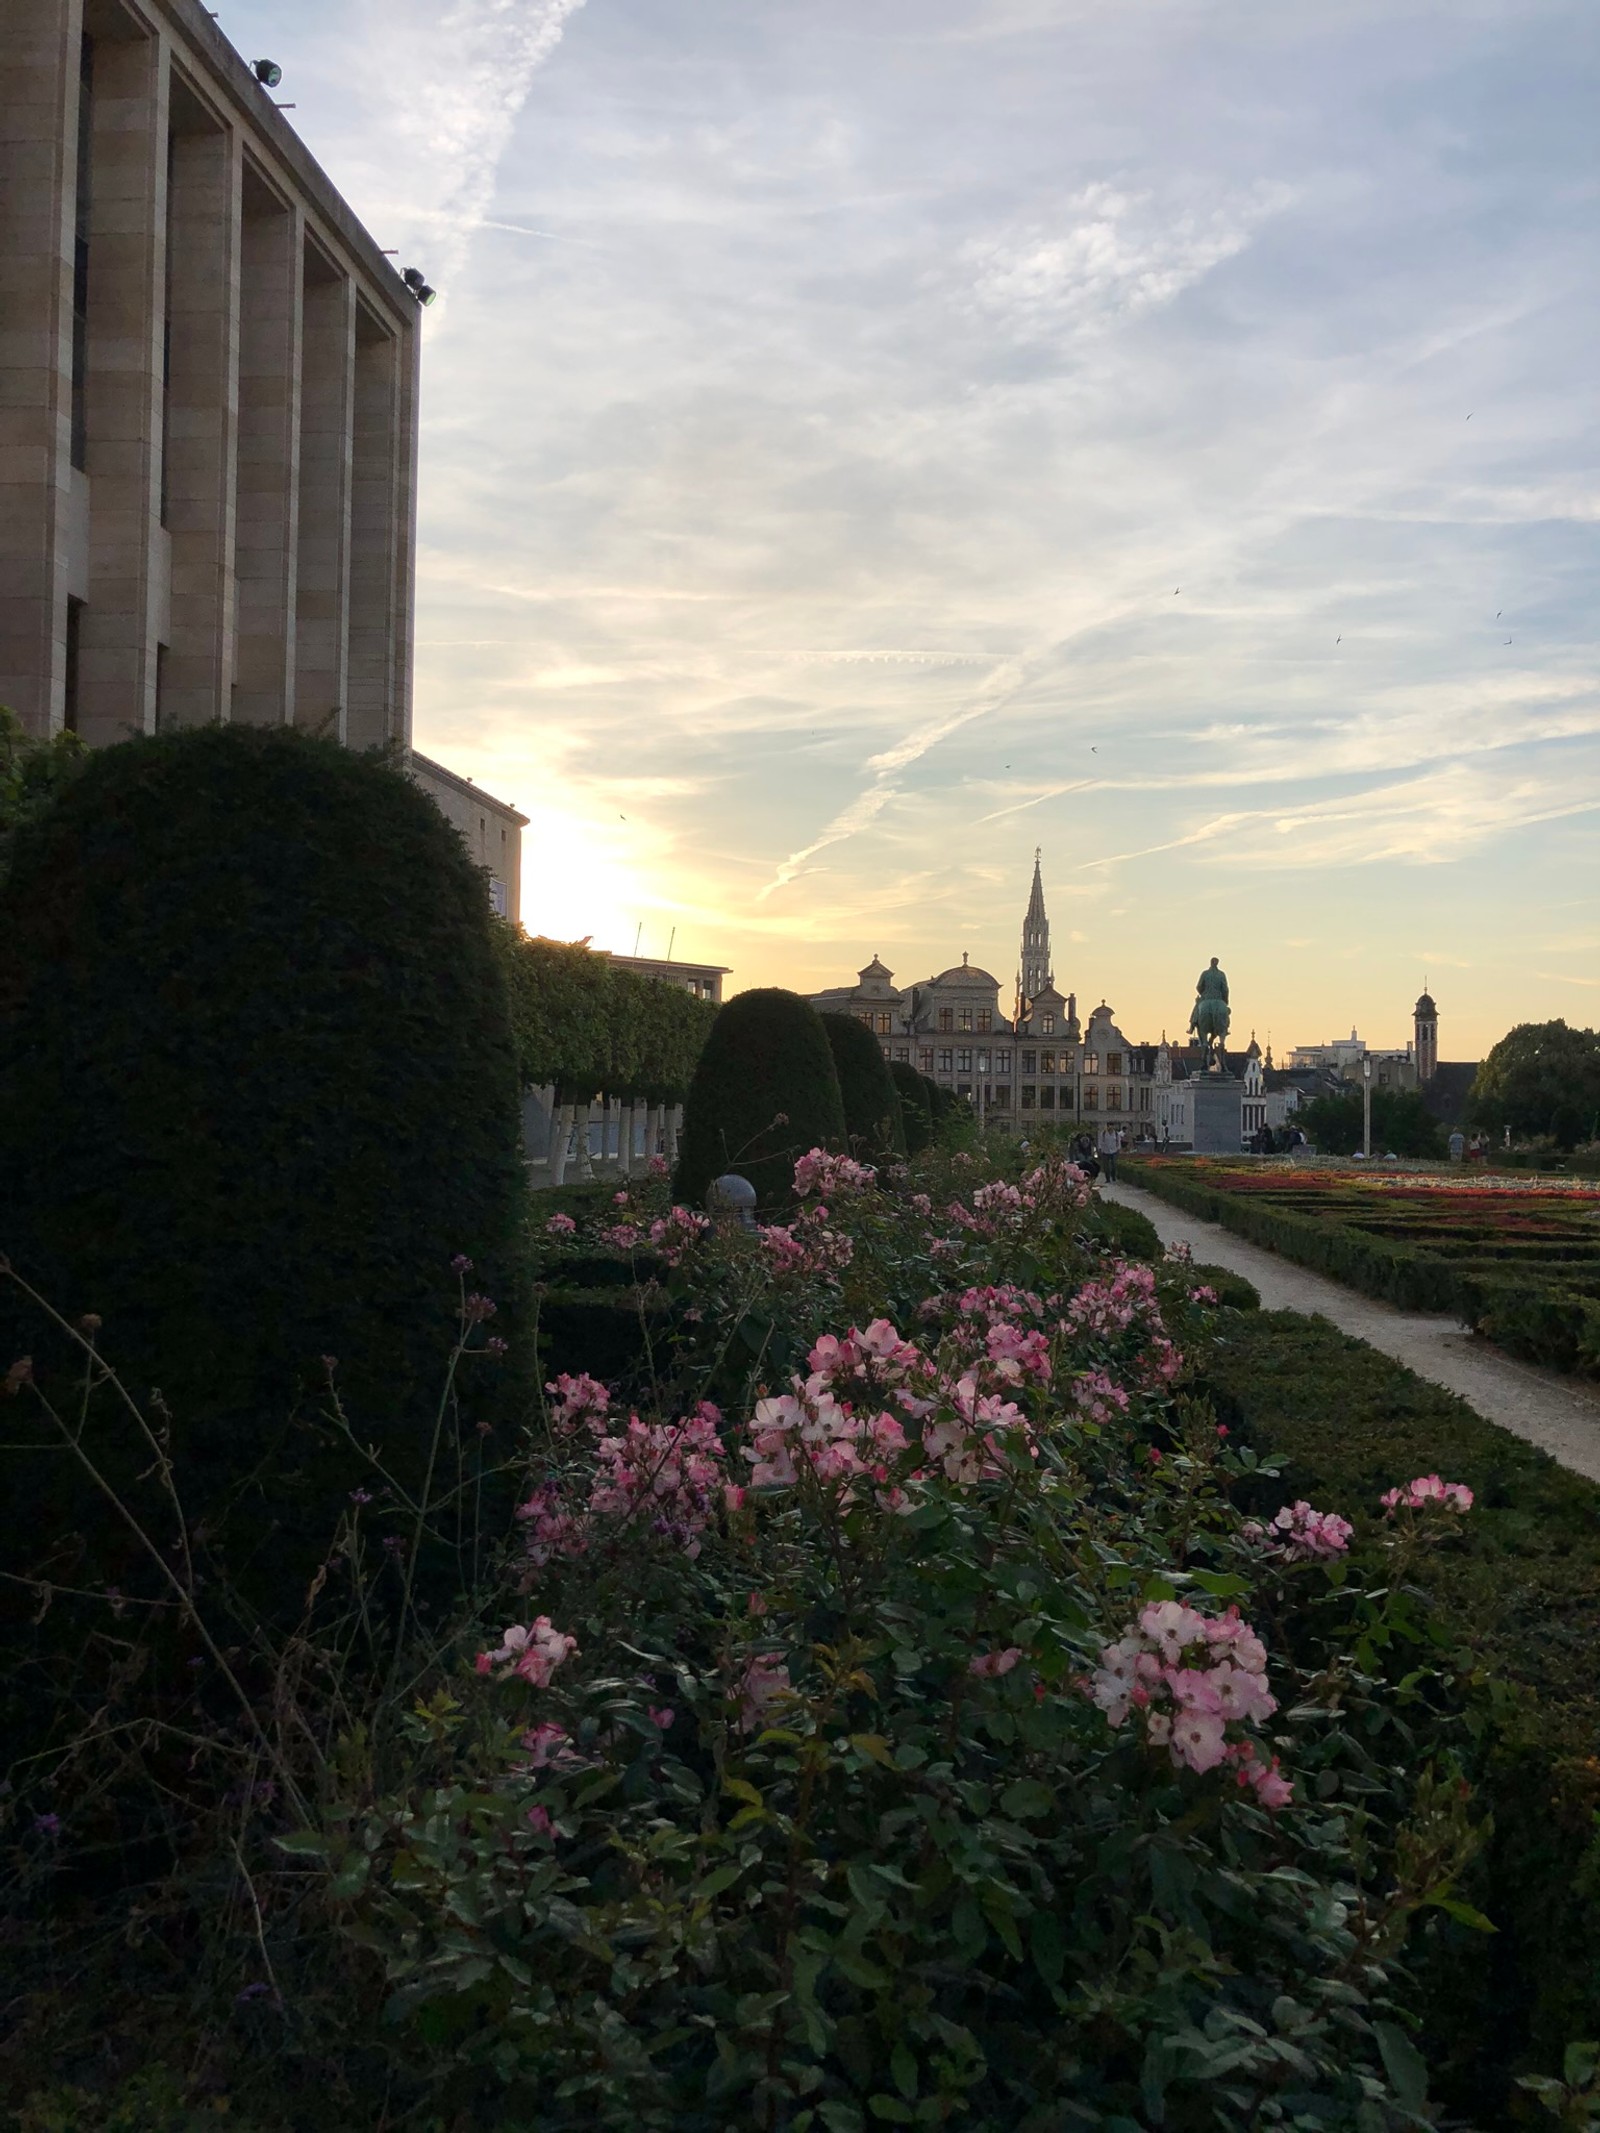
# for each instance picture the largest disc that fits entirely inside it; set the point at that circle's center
(257, 1086)
(1232, 1291)
(872, 1113)
(1520, 1590)
(916, 1112)
(765, 1091)
(593, 1029)
(1553, 1320)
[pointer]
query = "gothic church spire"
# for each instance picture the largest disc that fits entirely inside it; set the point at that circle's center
(1036, 973)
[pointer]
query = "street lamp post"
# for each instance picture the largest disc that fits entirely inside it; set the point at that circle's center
(1366, 1105)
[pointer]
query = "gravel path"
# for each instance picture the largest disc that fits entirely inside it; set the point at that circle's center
(1559, 1414)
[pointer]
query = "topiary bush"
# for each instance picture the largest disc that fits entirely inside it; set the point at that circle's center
(257, 1086)
(764, 1091)
(916, 1112)
(872, 1114)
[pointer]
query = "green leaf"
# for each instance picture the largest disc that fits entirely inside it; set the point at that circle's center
(1027, 1800)
(352, 1874)
(1045, 1945)
(304, 1843)
(875, 1747)
(1404, 2065)
(722, 1877)
(741, 1789)
(858, 1970)
(891, 2108)
(903, 2066)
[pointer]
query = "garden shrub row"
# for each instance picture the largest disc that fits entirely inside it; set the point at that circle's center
(1551, 1318)
(593, 1029)
(1520, 1592)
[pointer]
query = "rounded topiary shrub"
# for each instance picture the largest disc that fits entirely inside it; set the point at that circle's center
(866, 1087)
(257, 1087)
(765, 1090)
(916, 1112)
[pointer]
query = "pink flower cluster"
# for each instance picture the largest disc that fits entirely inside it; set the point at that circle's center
(1096, 1396)
(763, 1684)
(532, 1653)
(622, 1236)
(578, 1399)
(676, 1233)
(670, 1474)
(1123, 1307)
(810, 1428)
(1192, 1677)
(807, 1246)
(989, 1666)
(831, 1175)
(561, 1226)
(1205, 1294)
(1428, 1493)
(1301, 1535)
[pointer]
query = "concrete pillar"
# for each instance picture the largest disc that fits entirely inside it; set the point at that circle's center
(674, 1126)
(266, 554)
(560, 1142)
(203, 245)
(126, 614)
(375, 504)
(39, 65)
(652, 1133)
(327, 408)
(583, 1155)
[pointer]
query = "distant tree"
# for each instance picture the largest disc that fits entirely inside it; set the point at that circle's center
(32, 772)
(1542, 1078)
(1401, 1123)
(872, 1113)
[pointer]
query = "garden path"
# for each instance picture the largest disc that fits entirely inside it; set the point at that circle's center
(1559, 1414)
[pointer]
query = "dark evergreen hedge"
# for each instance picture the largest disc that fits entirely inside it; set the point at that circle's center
(916, 1111)
(765, 1090)
(872, 1115)
(257, 1086)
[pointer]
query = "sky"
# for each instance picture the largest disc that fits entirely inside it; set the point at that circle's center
(866, 440)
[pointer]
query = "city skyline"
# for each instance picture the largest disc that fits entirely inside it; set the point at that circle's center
(855, 451)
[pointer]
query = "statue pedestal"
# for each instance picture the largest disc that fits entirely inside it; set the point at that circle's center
(1216, 1114)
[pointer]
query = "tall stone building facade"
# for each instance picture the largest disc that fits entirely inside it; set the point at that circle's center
(209, 370)
(208, 408)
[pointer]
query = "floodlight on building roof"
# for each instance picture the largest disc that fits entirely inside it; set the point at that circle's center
(267, 72)
(416, 281)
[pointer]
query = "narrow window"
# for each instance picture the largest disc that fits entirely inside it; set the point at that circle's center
(80, 260)
(947, 1020)
(70, 677)
(985, 1019)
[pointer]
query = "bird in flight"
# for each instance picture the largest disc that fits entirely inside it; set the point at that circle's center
(1508, 640)
(1338, 640)
(1497, 613)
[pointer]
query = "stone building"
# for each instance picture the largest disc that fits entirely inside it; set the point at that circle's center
(702, 980)
(490, 829)
(208, 406)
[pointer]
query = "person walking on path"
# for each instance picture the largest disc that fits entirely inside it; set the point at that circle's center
(1110, 1147)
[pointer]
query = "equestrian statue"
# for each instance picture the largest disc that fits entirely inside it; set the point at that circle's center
(1210, 1017)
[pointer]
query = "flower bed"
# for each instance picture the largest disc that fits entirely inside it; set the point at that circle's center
(901, 1700)
(1515, 1258)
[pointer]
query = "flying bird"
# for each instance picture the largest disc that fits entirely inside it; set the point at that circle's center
(1338, 640)
(1497, 613)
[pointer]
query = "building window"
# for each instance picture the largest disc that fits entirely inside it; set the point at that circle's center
(1048, 1025)
(1002, 1099)
(497, 896)
(80, 260)
(1002, 1065)
(1047, 1098)
(902, 1055)
(963, 1062)
(985, 1019)
(1030, 1062)
(1047, 1062)
(924, 1060)
(1091, 1062)
(883, 1025)
(947, 1018)
(1144, 1099)
(1113, 1098)
(1029, 1093)
(966, 1018)
(1091, 1100)
(1113, 1062)
(983, 1062)
(73, 662)
(947, 1062)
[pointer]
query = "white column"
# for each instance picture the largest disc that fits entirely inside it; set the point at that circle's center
(581, 1115)
(560, 1136)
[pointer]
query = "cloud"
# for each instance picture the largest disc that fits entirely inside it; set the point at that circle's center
(1108, 253)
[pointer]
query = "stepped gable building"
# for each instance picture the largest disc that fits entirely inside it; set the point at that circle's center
(208, 406)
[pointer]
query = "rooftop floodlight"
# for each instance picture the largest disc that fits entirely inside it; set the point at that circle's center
(416, 281)
(267, 72)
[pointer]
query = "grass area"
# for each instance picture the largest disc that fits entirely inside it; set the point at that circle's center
(1519, 1591)
(1521, 1267)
